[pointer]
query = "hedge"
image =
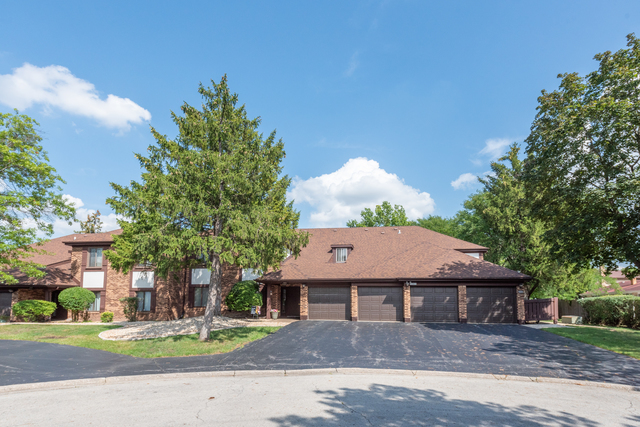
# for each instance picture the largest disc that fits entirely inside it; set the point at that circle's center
(615, 310)
(244, 295)
(33, 310)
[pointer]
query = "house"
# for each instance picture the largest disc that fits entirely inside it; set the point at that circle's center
(408, 274)
(78, 260)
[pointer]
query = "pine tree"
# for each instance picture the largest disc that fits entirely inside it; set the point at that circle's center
(93, 224)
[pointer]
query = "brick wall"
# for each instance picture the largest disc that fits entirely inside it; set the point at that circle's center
(354, 303)
(117, 287)
(462, 304)
(406, 303)
(25, 294)
(304, 302)
(76, 264)
(520, 293)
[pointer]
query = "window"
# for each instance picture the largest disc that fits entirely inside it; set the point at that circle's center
(144, 301)
(95, 257)
(250, 274)
(200, 276)
(341, 254)
(200, 296)
(145, 264)
(95, 306)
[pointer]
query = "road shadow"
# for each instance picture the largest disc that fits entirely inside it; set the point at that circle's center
(402, 406)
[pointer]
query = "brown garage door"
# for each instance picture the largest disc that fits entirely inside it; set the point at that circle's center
(491, 304)
(380, 303)
(329, 303)
(434, 304)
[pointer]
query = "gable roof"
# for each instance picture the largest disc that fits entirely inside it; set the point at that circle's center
(388, 253)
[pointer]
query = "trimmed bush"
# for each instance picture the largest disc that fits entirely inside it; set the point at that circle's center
(106, 317)
(33, 310)
(244, 295)
(615, 310)
(76, 300)
(130, 308)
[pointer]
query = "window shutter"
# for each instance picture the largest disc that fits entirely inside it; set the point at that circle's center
(103, 300)
(153, 301)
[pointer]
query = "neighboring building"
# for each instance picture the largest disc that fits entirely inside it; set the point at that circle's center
(78, 260)
(406, 274)
(627, 286)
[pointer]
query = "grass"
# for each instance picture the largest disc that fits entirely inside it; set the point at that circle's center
(620, 340)
(222, 341)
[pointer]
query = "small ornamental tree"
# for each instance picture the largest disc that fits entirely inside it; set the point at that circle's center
(33, 310)
(93, 224)
(76, 300)
(215, 192)
(130, 308)
(244, 295)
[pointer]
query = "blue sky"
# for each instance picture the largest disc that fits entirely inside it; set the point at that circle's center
(405, 101)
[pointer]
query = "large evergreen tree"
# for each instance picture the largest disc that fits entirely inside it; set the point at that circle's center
(30, 196)
(213, 192)
(383, 215)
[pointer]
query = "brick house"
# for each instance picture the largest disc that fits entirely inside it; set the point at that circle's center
(78, 260)
(408, 274)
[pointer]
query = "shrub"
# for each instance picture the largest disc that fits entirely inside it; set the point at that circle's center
(106, 317)
(76, 300)
(244, 295)
(130, 308)
(615, 310)
(33, 310)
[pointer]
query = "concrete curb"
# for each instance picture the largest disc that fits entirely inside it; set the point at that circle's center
(54, 385)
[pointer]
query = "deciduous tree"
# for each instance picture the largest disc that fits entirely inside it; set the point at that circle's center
(30, 196)
(583, 170)
(384, 215)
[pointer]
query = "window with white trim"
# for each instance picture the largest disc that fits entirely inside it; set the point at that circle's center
(93, 279)
(142, 279)
(341, 254)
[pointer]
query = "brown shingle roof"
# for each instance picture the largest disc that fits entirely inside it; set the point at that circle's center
(383, 253)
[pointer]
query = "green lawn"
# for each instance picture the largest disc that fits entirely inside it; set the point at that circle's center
(222, 341)
(621, 340)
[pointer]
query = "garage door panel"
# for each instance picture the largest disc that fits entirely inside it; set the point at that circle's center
(491, 304)
(434, 304)
(380, 303)
(329, 303)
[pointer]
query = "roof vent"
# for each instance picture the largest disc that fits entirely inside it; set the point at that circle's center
(382, 232)
(399, 232)
(335, 229)
(74, 237)
(366, 229)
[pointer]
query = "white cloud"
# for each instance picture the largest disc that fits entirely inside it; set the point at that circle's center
(353, 65)
(464, 181)
(360, 183)
(494, 148)
(55, 86)
(61, 228)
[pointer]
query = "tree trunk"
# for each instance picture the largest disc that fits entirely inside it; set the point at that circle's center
(214, 302)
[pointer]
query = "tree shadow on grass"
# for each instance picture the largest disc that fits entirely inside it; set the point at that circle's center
(401, 406)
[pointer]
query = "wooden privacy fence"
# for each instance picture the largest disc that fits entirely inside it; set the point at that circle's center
(570, 308)
(541, 309)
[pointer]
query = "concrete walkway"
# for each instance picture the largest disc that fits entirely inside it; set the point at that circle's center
(323, 399)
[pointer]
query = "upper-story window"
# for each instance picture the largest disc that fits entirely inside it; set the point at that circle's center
(95, 257)
(341, 254)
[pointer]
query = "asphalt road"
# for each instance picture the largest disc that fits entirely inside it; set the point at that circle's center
(486, 349)
(323, 400)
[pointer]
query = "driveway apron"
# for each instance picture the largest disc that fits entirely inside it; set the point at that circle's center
(486, 349)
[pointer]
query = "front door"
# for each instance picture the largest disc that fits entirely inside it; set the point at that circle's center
(290, 301)
(60, 313)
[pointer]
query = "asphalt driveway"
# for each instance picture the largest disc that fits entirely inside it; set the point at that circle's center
(491, 349)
